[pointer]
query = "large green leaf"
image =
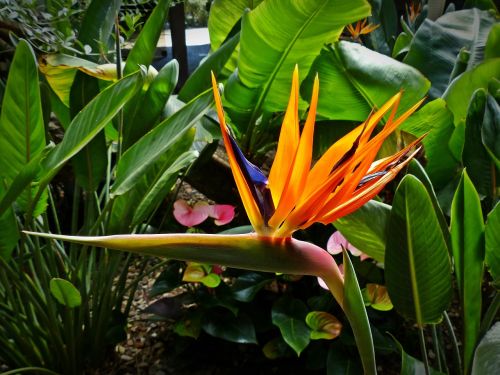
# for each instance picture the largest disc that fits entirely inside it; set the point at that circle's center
(246, 286)
(490, 131)
(461, 89)
(365, 228)
(9, 234)
(384, 14)
(22, 132)
(138, 158)
(142, 113)
(475, 157)
(289, 314)
(223, 324)
(65, 293)
(417, 266)
(91, 162)
(441, 41)
(355, 309)
(143, 51)
(467, 239)
(90, 121)
(436, 120)
(98, 23)
(224, 14)
(487, 357)
(492, 236)
(491, 49)
(275, 37)
(360, 79)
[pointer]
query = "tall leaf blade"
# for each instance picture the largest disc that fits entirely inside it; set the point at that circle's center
(467, 240)
(142, 155)
(144, 47)
(492, 234)
(90, 121)
(90, 163)
(417, 266)
(143, 112)
(354, 306)
(22, 132)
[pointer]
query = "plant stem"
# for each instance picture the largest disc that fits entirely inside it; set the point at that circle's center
(423, 349)
(456, 351)
(437, 347)
(119, 76)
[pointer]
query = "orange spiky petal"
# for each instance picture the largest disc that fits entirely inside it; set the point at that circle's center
(249, 203)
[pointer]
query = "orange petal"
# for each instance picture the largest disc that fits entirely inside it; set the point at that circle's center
(365, 193)
(249, 203)
(287, 143)
(295, 184)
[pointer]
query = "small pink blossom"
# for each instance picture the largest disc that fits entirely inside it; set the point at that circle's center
(337, 241)
(190, 216)
(222, 213)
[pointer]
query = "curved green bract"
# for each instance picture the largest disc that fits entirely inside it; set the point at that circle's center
(417, 266)
(361, 79)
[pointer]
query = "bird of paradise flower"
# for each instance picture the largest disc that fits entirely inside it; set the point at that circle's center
(295, 195)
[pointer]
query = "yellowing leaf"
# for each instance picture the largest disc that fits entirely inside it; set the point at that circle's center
(323, 325)
(377, 297)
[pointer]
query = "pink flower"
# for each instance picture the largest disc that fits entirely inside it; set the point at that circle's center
(222, 213)
(191, 216)
(337, 241)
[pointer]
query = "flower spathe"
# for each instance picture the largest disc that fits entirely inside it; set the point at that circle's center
(297, 193)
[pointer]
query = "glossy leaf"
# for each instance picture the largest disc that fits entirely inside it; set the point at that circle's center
(490, 131)
(91, 162)
(223, 324)
(475, 156)
(355, 309)
(323, 325)
(467, 238)
(461, 89)
(143, 51)
(289, 314)
(492, 237)
(441, 40)
(246, 286)
(138, 159)
(377, 297)
(90, 121)
(269, 50)
(435, 119)
(402, 44)
(365, 228)
(65, 293)
(417, 266)
(224, 14)
(360, 79)
(491, 49)
(487, 356)
(143, 112)
(22, 131)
